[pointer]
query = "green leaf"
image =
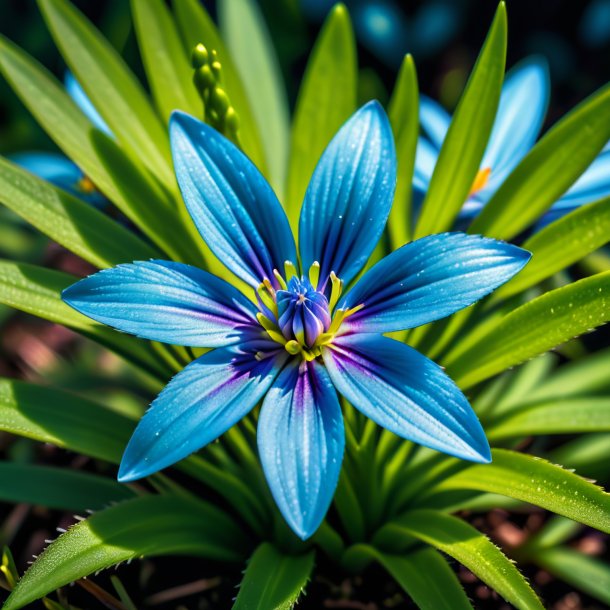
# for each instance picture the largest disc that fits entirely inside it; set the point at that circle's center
(569, 416)
(63, 419)
(58, 487)
(471, 548)
(147, 526)
(403, 111)
(589, 454)
(36, 290)
(197, 27)
(561, 244)
(74, 224)
(122, 179)
(590, 575)
(167, 66)
(534, 328)
(112, 88)
(538, 482)
(252, 49)
(549, 169)
(327, 98)
(463, 148)
(426, 577)
(273, 579)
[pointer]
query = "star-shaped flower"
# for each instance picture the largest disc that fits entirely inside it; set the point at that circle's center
(299, 338)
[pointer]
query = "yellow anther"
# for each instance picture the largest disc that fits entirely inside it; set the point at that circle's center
(289, 269)
(265, 322)
(280, 280)
(335, 291)
(314, 274)
(85, 185)
(309, 356)
(480, 180)
(267, 298)
(269, 286)
(293, 347)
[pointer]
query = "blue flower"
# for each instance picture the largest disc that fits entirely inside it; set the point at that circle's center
(60, 170)
(520, 116)
(300, 336)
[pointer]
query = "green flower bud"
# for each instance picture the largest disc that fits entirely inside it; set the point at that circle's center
(200, 56)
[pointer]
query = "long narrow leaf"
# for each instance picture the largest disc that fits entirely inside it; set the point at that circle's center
(538, 482)
(466, 140)
(167, 66)
(273, 579)
(58, 487)
(148, 526)
(326, 100)
(111, 86)
(74, 224)
(534, 328)
(63, 419)
(251, 47)
(561, 244)
(36, 290)
(551, 167)
(403, 111)
(471, 548)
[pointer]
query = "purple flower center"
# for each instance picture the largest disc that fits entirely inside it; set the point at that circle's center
(303, 312)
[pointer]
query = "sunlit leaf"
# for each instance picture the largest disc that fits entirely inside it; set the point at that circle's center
(167, 65)
(111, 86)
(465, 143)
(58, 487)
(327, 98)
(71, 222)
(63, 419)
(148, 526)
(538, 482)
(534, 328)
(550, 168)
(273, 579)
(471, 548)
(252, 49)
(561, 244)
(403, 111)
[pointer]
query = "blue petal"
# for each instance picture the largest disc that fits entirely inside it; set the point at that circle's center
(523, 105)
(406, 393)
(434, 120)
(594, 184)
(232, 205)
(429, 279)
(349, 197)
(425, 161)
(198, 405)
(77, 93)
(61, 172)
(300, 442)
(165, 301)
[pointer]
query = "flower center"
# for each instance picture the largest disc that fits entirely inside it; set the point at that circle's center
(297, 314)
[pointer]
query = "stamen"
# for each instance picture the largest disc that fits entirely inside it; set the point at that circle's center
(267, 298)
(289, 269)
(314, 274)
(280, 280)
(335, 292)
(293, 347)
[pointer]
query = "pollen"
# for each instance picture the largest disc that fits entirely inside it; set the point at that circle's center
(480, 181)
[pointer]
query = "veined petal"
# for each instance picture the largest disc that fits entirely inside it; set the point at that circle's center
(434, 119)
(594, 184)
(429, 279)
(232, 205)
(300, 442)
(198, 405)
(406, 393)
(426, 157)
(523, 105)
(350, 194)
(165, 301)
(78, 95)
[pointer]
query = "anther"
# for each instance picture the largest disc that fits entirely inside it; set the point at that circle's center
(335, 291)
(293, 347)
(289, 269)
(314, 274)
(280, 280)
